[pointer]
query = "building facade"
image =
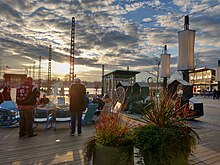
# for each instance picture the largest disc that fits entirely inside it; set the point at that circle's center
(203, 79)
(14, 79)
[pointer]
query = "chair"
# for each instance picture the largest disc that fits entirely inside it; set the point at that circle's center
(9, 118)
(42, 115)
(10, 105)
(9, 114)
(89, 114)
(61, 116)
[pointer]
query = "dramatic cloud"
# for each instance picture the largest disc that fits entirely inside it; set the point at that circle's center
(117, 33)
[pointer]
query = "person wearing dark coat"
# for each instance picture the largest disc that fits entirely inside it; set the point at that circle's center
(77, 93)
(7, 93)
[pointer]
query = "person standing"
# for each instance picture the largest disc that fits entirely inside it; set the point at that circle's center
(26, 99)
(77, 94)
(7, 93)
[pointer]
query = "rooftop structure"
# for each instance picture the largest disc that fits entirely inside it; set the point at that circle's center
(14, 79)
(113, 78)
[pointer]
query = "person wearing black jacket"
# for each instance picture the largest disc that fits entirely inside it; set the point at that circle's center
(26, 99)
(77, 93)
(7, 93)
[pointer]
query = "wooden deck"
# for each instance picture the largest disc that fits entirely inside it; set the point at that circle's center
(51, 147)
(208, 152)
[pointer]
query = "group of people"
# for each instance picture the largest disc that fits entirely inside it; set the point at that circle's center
(27, 97)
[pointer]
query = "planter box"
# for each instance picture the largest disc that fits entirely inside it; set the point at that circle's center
(104, 155)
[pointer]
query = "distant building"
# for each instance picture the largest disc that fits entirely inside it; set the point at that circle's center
(141, 90)
(113, 78)
(14, 79)
(202, 79)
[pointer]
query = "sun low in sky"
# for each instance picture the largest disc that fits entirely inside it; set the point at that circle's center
(116, 33)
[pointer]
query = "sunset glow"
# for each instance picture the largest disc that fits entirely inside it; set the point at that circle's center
(118, 34)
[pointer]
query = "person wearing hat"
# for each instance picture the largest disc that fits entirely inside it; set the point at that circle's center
(77, 93)
(26, 99)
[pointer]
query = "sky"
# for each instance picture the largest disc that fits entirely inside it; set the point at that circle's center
(116, 33)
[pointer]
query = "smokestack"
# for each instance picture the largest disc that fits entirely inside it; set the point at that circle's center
(186, 25)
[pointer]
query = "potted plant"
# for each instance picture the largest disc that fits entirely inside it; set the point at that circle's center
(165, 138)
(112, 141)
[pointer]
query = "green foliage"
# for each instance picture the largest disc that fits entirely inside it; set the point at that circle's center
(165, 131)
(138, 107)
(160, 142)
(90, 145)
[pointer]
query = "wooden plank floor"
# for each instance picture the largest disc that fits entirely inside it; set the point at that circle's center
(60, 148)
(51, 147)
(208, 151)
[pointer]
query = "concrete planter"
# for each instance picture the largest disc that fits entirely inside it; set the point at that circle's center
(105, 155)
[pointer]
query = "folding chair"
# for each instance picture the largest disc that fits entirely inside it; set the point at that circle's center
(42, 116)
(10, 105)
(89, 114)
(61, 116)
(9, 118)
(9, 114)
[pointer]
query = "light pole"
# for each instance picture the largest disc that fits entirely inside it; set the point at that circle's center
(165, 66)
(157, 76)
(149, 84)
(217, 75)
(186, 40)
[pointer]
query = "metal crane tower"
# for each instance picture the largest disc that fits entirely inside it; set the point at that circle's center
(33, 70)
(39, 72)
(49, 73)
(72, 47)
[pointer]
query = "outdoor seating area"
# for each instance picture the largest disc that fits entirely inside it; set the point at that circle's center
(47, 115)
(51, 147)
(59, 147)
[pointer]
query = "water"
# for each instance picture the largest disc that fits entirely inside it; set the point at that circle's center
(91, 91)
(54, 97)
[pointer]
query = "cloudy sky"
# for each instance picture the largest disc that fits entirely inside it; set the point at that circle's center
(117, 33)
